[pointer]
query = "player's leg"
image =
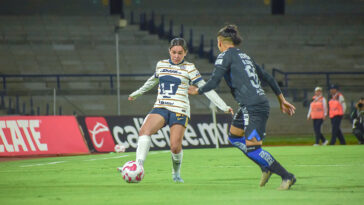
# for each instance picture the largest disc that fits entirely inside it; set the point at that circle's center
(255, 132)
(178, 124)
(152, 123)
(237, 139)
(176, 136)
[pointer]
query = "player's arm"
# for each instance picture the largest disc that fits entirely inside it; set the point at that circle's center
(149, 84)
(215, 98)
(266, 77)
(222, 64)
(285, 106)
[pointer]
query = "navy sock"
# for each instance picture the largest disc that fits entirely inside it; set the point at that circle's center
(265, 159)
(277, 168)
(239, 142)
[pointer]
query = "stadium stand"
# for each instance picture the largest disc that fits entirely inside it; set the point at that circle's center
(315, 36)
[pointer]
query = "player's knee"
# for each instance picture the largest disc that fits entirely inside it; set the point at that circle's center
(238, 142)
(236, 131)
(144, 131)
(175, 149)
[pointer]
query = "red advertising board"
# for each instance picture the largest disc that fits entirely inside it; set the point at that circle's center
(40, 135)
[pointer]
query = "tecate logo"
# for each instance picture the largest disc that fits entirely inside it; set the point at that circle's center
(20, 135)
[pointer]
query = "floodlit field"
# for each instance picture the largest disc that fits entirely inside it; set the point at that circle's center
(325, 175)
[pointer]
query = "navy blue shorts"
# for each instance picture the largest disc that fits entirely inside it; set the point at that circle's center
(170, 117)
(253, 122)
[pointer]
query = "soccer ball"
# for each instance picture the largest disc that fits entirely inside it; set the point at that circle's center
(132, 172)
(119, 148)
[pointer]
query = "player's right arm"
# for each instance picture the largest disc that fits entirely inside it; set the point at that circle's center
(222, 65)
(149, 84)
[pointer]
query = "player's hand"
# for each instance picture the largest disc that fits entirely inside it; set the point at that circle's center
(131, 98)
(287, 108)
(192, 90)
(230, 110)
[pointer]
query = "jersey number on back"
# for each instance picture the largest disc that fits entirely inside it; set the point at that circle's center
(250, 70)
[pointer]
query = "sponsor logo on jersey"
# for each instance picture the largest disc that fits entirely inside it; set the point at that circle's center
(218, 61)
(170, 71)
(165, 102)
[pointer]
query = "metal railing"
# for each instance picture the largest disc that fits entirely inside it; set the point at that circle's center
(327, 75)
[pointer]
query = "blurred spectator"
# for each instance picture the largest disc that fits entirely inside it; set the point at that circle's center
(357, 115)
(337, 108)
(318, 112)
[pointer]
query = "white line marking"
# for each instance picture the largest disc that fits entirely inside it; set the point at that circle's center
(87, 160)
(105, 158)
(42, 164)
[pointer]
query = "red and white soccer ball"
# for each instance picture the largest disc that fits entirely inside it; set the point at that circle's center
(119, 148)
(132, 172)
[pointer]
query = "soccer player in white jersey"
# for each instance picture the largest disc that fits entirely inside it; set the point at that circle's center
(172, 106)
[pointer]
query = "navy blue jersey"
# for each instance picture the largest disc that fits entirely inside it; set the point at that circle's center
(243, 77)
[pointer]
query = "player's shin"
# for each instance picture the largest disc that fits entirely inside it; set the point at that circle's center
(144, 142)
(265, 159)
(177, 162)
(176, 166)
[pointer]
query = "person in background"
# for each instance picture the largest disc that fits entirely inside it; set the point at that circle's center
(357, 115)
(337, 108)
(318, 112)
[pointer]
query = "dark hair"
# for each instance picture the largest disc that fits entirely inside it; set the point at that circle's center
(178, 42)
(230, 33)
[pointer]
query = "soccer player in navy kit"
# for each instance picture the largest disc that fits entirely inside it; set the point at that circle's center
(247, 129)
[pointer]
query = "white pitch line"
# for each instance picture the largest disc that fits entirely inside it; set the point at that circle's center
(87, 160)
(42, 164)
(106, 158)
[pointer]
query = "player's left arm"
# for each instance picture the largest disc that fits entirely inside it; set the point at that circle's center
(285, 106)
(266, 77)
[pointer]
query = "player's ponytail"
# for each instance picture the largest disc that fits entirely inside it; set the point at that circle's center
(179, 42)
(230, 33)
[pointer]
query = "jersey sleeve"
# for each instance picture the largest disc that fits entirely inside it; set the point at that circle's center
(264, 76)
(194, 75)
(222, 65)
(149, 84)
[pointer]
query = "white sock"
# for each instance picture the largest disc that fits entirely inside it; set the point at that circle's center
(177, 162)
(144, 142)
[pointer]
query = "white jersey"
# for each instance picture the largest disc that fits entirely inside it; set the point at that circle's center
(174, 81)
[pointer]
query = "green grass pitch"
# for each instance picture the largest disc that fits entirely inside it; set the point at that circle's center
(325, 175)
